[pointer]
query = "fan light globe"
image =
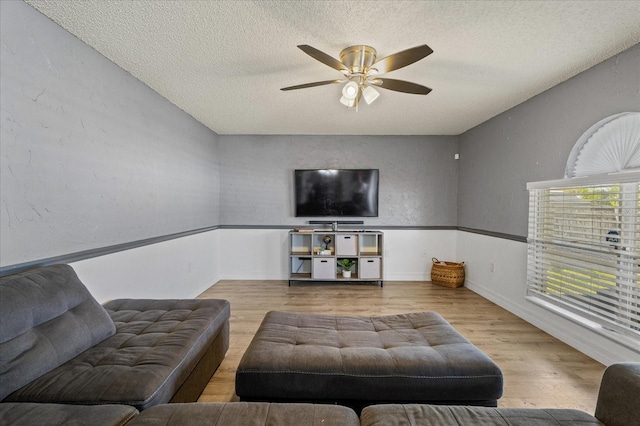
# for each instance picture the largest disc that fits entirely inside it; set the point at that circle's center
(348, 102)
(370, 94)
(350, 90)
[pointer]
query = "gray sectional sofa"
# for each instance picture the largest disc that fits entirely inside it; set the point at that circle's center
(59, 345)
(66, 359)
(617, 406)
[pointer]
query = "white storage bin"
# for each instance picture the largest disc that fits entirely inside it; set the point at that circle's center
(370, 268)
(346, 245)
(324, 268)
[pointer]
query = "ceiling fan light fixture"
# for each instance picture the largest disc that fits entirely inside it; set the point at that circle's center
(370, 94)
(350, 90)
(349, 103)
(361, 69)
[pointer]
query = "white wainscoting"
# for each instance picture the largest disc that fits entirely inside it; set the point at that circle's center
(408, 253)
(262, 254)
(179, 268)
(506, 287)
(184, 267)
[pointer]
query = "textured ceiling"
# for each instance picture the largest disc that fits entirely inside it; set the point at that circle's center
(223, 62)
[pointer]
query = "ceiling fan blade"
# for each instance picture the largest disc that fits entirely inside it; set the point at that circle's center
(323, 57)
(314, 84)
(401, 86)
(402, 59)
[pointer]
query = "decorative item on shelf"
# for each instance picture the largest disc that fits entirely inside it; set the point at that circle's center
(326, 240)
(447, 274)
(320, 251)
(346, 265)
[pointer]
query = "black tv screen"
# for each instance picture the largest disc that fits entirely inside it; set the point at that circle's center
(336, 192)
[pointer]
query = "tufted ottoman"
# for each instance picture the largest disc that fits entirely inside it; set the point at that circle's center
(358, 361)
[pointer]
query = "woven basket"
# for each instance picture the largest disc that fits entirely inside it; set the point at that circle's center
(451, 274)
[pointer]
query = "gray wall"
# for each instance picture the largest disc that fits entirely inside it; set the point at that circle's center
(90, 156)
(532, 141)
(418, 176)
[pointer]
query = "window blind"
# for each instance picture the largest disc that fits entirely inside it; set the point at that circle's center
(584, 250)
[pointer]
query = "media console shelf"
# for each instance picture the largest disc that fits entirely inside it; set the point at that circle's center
(314, 255)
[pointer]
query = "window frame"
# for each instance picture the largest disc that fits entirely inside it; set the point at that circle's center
(550, 251)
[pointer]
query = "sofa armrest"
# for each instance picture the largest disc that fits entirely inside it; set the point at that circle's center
(619, 395)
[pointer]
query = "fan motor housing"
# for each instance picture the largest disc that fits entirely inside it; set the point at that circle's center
(358, 58)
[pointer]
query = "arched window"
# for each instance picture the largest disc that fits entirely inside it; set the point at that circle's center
(584, 233)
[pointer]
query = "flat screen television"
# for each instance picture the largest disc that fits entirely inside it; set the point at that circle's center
(336, 192)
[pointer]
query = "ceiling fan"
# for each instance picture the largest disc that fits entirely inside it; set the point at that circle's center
(361, 72)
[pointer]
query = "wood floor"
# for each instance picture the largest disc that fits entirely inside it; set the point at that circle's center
(539, 370)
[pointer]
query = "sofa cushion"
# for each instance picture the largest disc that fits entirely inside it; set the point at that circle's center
(156, 346)
(619, 395)
(29, 414)
(421, 414)
(247, 414)
(47, 317)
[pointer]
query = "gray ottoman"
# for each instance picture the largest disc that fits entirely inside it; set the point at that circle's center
(358, 361)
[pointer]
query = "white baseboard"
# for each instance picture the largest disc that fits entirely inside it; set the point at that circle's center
(556, 326)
